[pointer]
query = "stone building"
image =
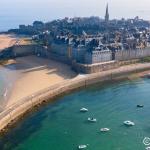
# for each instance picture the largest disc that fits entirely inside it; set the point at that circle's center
(98, 56)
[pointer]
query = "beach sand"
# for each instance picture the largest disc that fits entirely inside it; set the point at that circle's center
(7, 40)
(35, 74)
(27, 75)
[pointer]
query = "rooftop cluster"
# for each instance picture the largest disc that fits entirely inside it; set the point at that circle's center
(92, 34)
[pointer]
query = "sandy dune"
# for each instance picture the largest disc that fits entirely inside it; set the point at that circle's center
(34, 74)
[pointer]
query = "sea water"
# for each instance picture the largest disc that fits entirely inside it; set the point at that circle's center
(61, 126)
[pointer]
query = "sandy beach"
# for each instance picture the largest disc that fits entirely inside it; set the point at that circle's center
(28, 75)
(6, 75)
(31, 74)
(7, 41)
(35, 74)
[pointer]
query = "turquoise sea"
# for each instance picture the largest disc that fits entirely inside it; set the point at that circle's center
(60, 125)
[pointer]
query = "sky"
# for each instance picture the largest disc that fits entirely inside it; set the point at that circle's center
(25, 11)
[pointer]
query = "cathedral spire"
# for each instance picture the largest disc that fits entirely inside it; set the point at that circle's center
(107, 14)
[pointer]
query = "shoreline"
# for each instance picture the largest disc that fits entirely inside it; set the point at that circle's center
(8, 78)
(6, 40)
(14, 112)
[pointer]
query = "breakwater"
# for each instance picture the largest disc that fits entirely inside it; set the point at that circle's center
(17, 110)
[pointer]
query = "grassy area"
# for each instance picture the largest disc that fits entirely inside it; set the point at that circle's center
(145, 59)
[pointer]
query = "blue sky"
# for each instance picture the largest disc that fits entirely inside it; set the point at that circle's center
(25, 11)
(46, 9)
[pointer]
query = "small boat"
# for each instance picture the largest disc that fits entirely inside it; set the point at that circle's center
(82, 146)
(129, 123)
(140, 106)
(83, 110)
(104, 129)
(92, 119)
(147, 148)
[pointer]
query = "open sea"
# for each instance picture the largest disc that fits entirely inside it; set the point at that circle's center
(61, 126)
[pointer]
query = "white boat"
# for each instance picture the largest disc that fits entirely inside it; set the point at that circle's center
(129, 123)
(147, 148)
(84, 110)
(82, 146)
(104, 129)
(92, 119)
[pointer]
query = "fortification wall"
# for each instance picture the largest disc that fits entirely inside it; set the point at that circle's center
(103, 58)
(132, 54)
(93, 68)
(60, 49)
(18, 51)
(23, 50)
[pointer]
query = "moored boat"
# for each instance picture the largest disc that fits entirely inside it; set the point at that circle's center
(92, 119)
(104, 129)
(82, 146)
(129, 123)
(83, 110)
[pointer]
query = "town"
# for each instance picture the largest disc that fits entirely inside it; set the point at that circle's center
(74, 83)
(92, 40)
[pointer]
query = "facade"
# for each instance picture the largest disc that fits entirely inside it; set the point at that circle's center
(98, 57)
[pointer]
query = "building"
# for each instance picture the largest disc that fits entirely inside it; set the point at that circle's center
(107, 15)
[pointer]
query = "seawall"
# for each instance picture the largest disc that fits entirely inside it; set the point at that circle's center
(13, 113)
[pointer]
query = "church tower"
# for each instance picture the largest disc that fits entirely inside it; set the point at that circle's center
(107, 14)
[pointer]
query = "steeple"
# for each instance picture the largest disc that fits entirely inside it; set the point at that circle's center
(107, 14)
